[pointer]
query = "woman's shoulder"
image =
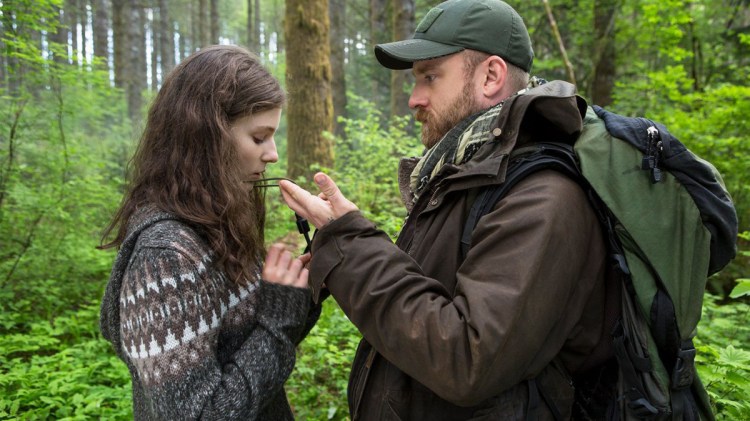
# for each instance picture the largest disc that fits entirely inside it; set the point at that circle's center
(156, 229)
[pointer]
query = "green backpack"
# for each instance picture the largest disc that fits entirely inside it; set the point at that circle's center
(670, 224)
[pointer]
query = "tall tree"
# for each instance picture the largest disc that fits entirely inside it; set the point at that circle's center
(3, 63)
(166, 35)
(9, 61)
(403, 28)
(101, 29)
(277, 19)
(214, 6)
(337, 11)
(560, 42)
(253, 26)
(193, 41)
(83, 22)
(309, 83)
(120, 40)
(204, 25)
(59, 37)
(134, 69)
(603, 81)
(71, 21)
(380, 77)
(153, 27)
(251, 40)
(256, 26)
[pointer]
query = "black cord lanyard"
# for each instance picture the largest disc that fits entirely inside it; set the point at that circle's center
(302, 225)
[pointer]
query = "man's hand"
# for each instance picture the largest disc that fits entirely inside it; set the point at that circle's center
(283, 269)
(329, 205)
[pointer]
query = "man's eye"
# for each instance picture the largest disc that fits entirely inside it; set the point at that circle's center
(429, 78)
(258, 140)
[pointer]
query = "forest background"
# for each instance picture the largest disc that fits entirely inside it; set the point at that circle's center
(77, 75)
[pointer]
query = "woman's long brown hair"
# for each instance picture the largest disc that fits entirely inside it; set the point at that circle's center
(186, 161)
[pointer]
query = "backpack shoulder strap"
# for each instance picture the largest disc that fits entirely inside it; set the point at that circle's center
(523, 162)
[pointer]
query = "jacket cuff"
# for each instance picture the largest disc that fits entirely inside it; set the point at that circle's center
(326, 251)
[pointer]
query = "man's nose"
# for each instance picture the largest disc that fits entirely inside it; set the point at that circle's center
(417, 99)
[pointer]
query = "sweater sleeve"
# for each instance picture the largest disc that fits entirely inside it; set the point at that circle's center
(171, 315)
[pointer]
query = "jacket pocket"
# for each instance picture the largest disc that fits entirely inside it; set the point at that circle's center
(389, 412)
(358, 378)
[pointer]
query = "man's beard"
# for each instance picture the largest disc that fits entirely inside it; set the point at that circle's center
(435, 125)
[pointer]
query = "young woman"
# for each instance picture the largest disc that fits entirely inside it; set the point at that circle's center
(206, 330)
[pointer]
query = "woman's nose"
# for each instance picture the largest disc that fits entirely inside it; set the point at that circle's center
(271, 154)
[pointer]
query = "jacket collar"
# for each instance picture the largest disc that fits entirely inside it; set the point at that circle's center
(549, 112)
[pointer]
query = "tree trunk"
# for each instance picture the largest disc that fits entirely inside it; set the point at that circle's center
(71, 21)
(166, 37)
(256, 26)
(309, 82)
(59, 37)
(194, 8)
(204, 25)
(278, 17)
(380, 76)
(120, 41)
(560, 43)
(603, 80)
(401, 80)
(10, 63)
(337, 10)
(136, 58)
(696, 62)
(153, 24)
(251, 45)
(101, 29)
(3, 68)
(214, 22)
(83, 21)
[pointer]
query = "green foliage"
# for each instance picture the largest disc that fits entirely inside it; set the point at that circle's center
(366, 163)
(367, 160)
(65, 136)
(317, 386)
(62, 370)
(62, 143)
(742, 289)
(715, 124)
(723, 360)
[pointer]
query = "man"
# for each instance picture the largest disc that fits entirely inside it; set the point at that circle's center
(497, 332)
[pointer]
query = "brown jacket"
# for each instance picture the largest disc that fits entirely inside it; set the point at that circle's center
(453, 339)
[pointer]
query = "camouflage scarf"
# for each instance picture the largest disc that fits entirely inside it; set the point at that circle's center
(459, 144)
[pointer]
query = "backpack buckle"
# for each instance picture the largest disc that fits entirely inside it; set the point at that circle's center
(683, 373)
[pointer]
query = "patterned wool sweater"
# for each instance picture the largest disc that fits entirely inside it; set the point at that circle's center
(197, 345)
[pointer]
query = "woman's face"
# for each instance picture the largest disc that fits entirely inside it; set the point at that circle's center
(255, 145)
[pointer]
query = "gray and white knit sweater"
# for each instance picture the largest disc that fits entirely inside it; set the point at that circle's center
(197, 345)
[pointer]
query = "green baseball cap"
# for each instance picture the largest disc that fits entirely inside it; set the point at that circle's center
(491, 26)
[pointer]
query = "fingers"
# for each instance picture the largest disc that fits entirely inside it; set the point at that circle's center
(316, 210)
(282, 268)
(273, 255)
(329, 205)
(328, 188)
(297, 198)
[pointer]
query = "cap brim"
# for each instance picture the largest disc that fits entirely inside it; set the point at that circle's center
(401, 55)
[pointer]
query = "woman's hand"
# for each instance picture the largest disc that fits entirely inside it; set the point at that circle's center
(282, 268)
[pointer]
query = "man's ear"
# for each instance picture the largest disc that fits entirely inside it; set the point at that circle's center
(495, 77)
